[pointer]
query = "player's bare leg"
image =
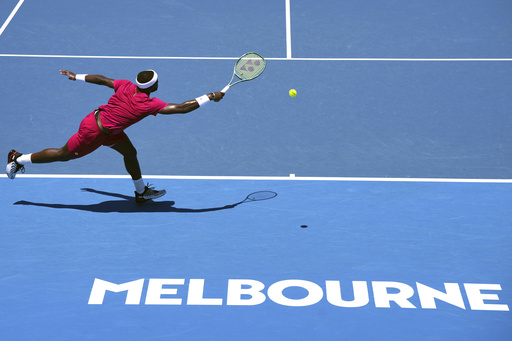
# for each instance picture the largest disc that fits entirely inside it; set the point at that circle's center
(143, 192)
(16, 161)
(52, 155)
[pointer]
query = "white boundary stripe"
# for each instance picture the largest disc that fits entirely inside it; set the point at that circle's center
(13, 13)
(112, 57)
(403, 59)
(399, 59)
(289, 178)
(277, 59)
(288, 31)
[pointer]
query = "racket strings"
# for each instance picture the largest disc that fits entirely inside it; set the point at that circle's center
(250, 66)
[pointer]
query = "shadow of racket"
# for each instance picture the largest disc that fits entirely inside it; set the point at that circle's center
(256, 196)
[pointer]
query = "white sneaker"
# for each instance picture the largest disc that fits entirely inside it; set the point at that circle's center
(148, 194)
(13, 167)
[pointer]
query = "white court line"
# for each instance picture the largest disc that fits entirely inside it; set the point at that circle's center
(405, 59)
(112, 57)
(269, 58)
(13, 13)
(288, 31)
(281, 178)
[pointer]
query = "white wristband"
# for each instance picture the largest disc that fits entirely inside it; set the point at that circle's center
(203, 99)
(80, 77)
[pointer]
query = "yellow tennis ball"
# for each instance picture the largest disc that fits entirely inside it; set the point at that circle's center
(293, 93)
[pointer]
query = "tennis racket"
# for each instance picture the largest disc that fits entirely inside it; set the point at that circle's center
(257, 196)
(247, 67)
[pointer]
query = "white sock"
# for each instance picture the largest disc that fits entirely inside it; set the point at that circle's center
(139, 186)
(24, 159)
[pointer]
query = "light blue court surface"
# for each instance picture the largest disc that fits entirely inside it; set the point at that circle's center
(56, 243)
(400, 140)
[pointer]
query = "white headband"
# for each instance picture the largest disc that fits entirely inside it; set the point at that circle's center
(150, 83)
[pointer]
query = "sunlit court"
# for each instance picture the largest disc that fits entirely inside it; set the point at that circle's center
(353, 182)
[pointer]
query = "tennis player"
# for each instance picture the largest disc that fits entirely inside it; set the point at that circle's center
(105, 126)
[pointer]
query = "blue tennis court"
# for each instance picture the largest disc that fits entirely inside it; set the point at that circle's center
(392, 168)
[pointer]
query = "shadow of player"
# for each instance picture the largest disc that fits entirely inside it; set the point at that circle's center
(125, 205)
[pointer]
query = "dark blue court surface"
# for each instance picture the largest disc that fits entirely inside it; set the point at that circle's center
(397, 225)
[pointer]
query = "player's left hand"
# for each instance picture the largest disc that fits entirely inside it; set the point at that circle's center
(71, 75)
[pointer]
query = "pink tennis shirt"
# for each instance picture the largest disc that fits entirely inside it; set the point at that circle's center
(127, 106)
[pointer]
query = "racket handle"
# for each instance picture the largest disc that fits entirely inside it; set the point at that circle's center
(226, 88)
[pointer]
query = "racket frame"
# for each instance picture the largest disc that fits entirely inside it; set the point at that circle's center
(226, 88)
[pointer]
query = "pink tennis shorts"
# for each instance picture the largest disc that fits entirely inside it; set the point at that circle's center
(89, 138)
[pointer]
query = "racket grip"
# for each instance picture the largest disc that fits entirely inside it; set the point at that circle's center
(226, 88)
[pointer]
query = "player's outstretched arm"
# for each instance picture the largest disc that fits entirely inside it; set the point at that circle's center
(95, 79)
(191, 105)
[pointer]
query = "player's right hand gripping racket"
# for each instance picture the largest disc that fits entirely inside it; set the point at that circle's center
(248, 67)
